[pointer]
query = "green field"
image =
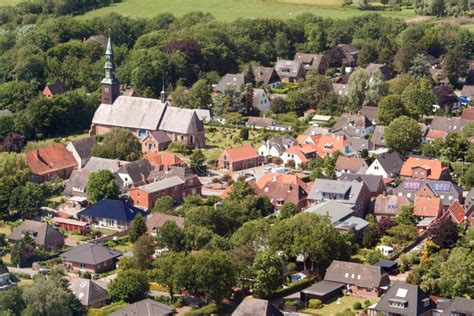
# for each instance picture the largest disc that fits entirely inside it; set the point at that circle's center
(9, 2)
(234, 9)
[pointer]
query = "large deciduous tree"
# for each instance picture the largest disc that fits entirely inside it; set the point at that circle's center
(102, 185)
(138, 228)
(403, 134)
(129, 286)
(267, 273)
(119, 144)
(390, 107)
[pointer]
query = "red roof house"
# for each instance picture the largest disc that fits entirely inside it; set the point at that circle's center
(428, 207)
(54, 89)
(164, 160)
(423, 169)
(49, 162)
(459, 215)
(239, 158)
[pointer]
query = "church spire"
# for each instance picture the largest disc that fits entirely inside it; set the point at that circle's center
(163, 93)
(110, 84)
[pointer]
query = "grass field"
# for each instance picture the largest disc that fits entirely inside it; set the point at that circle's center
(9, 2)
(334, 307)
(234, 9)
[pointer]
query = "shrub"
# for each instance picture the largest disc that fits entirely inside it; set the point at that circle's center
(290, 302)
(315, 303)
(367, 303)
(357, 306)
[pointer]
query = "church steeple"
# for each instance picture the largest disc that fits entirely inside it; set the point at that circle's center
(163, 94)
(110, 84)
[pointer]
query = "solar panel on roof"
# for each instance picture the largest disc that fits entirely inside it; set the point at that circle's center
(411, 185)
(441, 186)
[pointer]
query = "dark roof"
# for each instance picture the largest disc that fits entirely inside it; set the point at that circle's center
(160, 137)
(372, 182)
(138, 170)
(146, 307)
(78, 179)
(408, 294)
(323, 288)
(90, 254)
(447, 124)
(57, 88)
(235, 80)
(87, 291)
(256, 307)
(352, 124)
(113, 209)
(355, 273)
(387, 264)
(377, 136)
(391, 162)
(42, 233)
(84, 146)
(370, 112)
(383, 68)
(459, 305)
(265, 75)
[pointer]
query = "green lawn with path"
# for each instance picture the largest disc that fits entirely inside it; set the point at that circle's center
(334, 307)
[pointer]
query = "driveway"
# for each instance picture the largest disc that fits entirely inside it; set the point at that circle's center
(28, 271)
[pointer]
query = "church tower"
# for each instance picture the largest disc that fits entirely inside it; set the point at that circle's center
(110, 84)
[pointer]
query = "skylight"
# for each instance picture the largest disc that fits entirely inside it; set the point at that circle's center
(401, 293)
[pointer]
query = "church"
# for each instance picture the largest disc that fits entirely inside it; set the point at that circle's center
(143, 116)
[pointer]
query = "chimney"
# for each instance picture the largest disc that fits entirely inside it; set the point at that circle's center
(118, 164)
(143, 177)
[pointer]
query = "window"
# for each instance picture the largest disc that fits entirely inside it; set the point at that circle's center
(376, 167)
(191, 139)
(408, 195)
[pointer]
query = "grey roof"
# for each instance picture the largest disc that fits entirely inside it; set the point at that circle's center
(377, 136)
(370, 112)
(468, 91)
(349, 190)
(255, 121)
(459, 305)
(404, 293)
(383, 68)
(42, 233)
(312, 60)
(90, 254)
(138, 170)
(95, 164)
(236, 80)
(256, 307)
(265, 75)
(146, 307)
(180, 120)
(336, 211)
(282, 142)
(78, 179)
(131, 112)
(316, 130)
(442, 189)
(204, 115)
(87, 291)
(340, 89)
(448, 124)
(160, 137)
(162, 184)
(361, 275)
(352, 222)
(469, 197)
(352, 124)
(391, 162)
(323, 288)
(83, 146)
(288, 68)
(357, 143)
(372, 182)
(5, 113)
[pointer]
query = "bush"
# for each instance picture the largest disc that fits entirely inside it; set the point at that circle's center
(179, 148)
(293, 288)
(315, 303)
(367, 303)
(205, 310)
(291, 302)
(357, 306)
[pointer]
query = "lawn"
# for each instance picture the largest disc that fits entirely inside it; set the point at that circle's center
(228, 10)
(9, 2)
(50, 141)
(334, 307)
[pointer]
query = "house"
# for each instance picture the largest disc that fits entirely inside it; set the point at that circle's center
(261, 100)
(316, 130)
(446, 191)
(459, 215)
(5, 278)
(375, 184)
(266, 76)
(155, 141)
(330, 144)
(316, 62)
(308, 139)
(276, 146)
(432, 61)
(72, 225)
(128, 91)
(299, 154)
(352, 193)
(204, 115)
(358, 144)
(387, 165)
(256, 122)
(467, 94)
(469, 201)
(459, 306)
(317, 119)
(341, 216)
(146, 307)
(340, 89)
(377, 138)
(162, 161)
(439, 77)
(239, 158)
(230, 80)
(387, 74)
(290, 71)
(426, 210)
(353, 125)
(388, 266)
(143, 115)
(403, 299)
(43, 234)
(135, 173)
(176, 182)
(90, 258)
(89, 293)
(350, 53)
(281, 189)
(49, 162)
(96, 163)
(54, 89)
(114, 214)
(446, 99)
(350, 165)
(422, 169)
(81, 149)
(77, 184)
(309, 113)
(369, 112)
(256, 307)
(388, 206)
(157, 220)
(441, 126)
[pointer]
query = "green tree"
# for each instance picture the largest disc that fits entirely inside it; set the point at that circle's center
(282, 45)
(241, 190)
(268, 273)
(419, 68)
(357, 87)
(23, 252)
(467, 179)
(11, 301)
(200, 94)
(171, 236)
(27, 200)
(457, 274)
(390, 108)
(244, 133)
(376, 88)
(165, 269)
(102, 185)
(143, 249)
(419, 99)
(288, 210)
(119, 144)
(402, 134)
(138, 228)
(454, 65)
(406, 215)
(164, 204)
(13, 173)
(129, 286)
(230, 100)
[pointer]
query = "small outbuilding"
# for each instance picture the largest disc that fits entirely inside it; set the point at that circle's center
(323, 291)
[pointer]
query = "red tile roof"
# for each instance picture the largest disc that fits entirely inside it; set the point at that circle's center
(349, 163)
(305, 139)
(427, 207)
(468, 114)
(456, 210)
(163, 160)
(435, 166)
(281, 178)
(49, 159)
(329, 144)
(436, 134)
(241, 153)
(296, 150)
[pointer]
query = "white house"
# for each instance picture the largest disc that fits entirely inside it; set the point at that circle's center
(387, 165)
(261, 100)
(276, 146)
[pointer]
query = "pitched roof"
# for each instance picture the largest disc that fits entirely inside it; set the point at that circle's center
(42, 233)
(280, 177)
(340, 89)
(436, 134)
(280, 143)
(377, 136)
(288, 68)
(83, 146)
(279, 191)
(256, 307)
(138, 170)
(391, 162)
(146, 307)
(113, 209)
(161, 185)
(262, 122)
(427, 206)
(180, 120)
(358, 143)
(88, 291)
(370, 112)
(361, 275)
(313, 60)
(57, 88)
(459, 306)
(164, 160)
(373, 182)
(159, 219)
(78, 179)
(386, 72)
(265, 75)
(49, 159)
(160, 136)
(456, 210)
(236, 80)
(389, 204)
(349, 190)
(447, 124)
(405, 299)
(468, 114)
(96, 163)
(349, 163)
(436, 167)
(131, 112)
(297, 150)
(90, 254)
(329, 144)
(241, 153)
(336, 211)
(352, 124)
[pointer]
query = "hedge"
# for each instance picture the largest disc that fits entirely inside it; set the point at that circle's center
(293, 288)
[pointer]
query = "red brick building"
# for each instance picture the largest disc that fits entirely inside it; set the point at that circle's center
(424, 169)
(239, 158)
(90, 258)
(49, 162)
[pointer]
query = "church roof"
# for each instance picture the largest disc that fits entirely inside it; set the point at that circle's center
(179, 120)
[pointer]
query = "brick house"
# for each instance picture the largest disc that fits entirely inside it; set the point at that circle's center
(155, 141)
(54, 89)
(423, 169)
(164, 160)
(290, 70)
(49, 162)
(43, 234)
(239, 158)
(90, 258)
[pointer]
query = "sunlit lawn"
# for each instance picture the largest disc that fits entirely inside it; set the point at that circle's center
(334, 307)
(50, 141)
